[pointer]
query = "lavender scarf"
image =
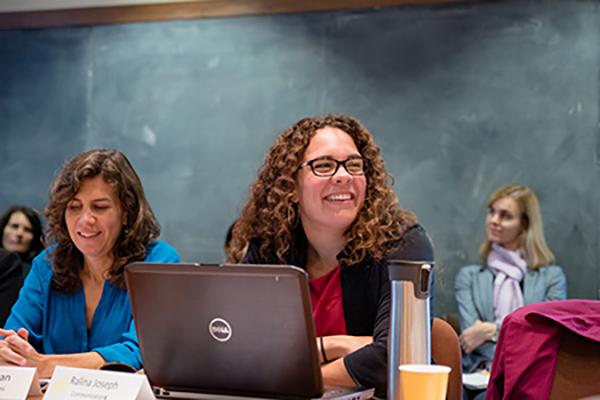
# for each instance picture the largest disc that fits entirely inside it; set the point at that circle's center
(509, 269)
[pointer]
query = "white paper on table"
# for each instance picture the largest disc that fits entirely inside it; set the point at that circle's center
(18, 382)
(80, 383)
(476, 380)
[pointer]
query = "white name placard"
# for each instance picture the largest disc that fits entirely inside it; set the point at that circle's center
(16, 383)
(90, 384)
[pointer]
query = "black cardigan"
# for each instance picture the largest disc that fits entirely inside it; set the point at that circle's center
(366, 303)
(11, 279)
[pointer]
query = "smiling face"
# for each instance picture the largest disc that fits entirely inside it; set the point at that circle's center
(504, 223)
(330, 202)
(18, 233)
(94, 220)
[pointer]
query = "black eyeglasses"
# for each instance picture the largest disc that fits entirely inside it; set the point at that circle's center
(327, 166)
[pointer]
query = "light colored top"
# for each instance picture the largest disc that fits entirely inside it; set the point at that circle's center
(474, 290)
(474, 287)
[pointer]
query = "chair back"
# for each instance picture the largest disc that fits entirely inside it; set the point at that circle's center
(445, 350)
(577, 372)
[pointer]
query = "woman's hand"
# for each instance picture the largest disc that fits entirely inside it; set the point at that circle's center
(338, 346)
(475, 335)
(15, 349)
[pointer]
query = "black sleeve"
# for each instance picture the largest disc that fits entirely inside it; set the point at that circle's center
(368, 365)
(11, 280)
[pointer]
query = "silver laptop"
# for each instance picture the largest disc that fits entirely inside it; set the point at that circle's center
(227, 332)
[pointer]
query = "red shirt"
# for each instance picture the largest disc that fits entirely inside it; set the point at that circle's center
(328, 310)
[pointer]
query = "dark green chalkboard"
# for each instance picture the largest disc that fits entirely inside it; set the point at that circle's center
(462, 98)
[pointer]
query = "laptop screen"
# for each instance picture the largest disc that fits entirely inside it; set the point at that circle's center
(231, 329)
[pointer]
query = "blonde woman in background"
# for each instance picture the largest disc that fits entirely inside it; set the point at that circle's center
(517, 270)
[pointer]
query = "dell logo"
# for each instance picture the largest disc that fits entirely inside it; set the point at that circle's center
(219, 329)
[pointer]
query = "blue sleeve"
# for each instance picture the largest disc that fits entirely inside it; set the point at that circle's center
(556, 288)
(463, 288)
(128, 350)
(163, 252)
(29, 310)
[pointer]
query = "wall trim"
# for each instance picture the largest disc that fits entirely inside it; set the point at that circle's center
(186, 10)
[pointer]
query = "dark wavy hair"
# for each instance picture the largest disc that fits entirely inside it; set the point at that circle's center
(36, 245)
(270, 215)
(140, 229)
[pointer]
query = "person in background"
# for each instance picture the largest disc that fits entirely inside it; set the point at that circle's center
(21, 241)
(22, 234)
(517, 270)
(74, 309)
(323, 201)
(228, 238)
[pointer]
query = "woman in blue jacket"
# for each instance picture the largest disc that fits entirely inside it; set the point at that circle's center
(517, 270)
(74, 309)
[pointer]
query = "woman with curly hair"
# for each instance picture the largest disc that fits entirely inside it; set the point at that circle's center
(73, 309)
(323, 201)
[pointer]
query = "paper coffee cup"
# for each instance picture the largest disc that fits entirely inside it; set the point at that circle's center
(423, 382)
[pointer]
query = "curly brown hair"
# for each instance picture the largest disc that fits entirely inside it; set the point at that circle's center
(140, 229)
(270, 215)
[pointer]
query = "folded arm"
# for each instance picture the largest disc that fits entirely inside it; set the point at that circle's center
(477, 334)
(336, 347)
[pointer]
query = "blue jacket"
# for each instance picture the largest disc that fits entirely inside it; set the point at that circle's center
(474, 288)
(56, 321)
